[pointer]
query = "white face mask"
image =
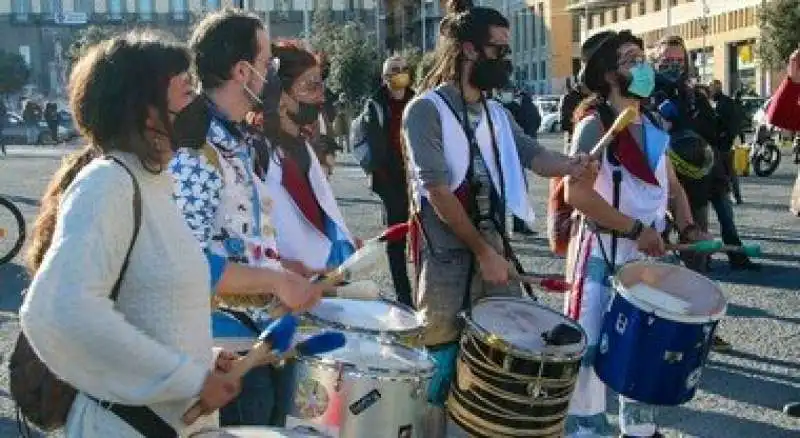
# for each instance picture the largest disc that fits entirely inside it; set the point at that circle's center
(253, 95)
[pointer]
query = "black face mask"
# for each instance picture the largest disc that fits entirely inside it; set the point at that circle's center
(490, 74)
(307, 113)
(190, 127)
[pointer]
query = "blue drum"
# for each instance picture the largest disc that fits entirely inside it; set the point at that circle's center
(657, 332)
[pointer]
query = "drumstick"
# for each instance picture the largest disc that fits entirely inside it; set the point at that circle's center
(712, 246)
(624, 119)
(263, 354)
(358, 262)
(547, 283)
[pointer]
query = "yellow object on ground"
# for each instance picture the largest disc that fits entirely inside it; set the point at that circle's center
(741, 160)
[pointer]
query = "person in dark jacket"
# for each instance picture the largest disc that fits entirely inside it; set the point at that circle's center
(51, 118)
(688, 115)
(530, 117)
(730, 124)
(379, 126)
(566, 109)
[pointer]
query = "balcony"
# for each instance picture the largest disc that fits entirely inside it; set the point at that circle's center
(595, 5)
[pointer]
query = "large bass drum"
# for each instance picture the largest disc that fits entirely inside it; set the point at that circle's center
(516, 370)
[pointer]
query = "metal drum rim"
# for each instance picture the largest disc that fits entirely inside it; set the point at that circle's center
(624, 292)
(319, 321)
(325, 362)
(509, 348)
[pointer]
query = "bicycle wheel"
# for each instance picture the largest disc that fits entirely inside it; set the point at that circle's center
(12, 230)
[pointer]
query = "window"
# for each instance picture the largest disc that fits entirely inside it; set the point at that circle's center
(145, 10)
(115, 9)
(614, 15)
(656, 5)
(179, 10)
(542, 29)
(642, 7)
(48, 11)
(576, 28)
(576, 66)
(602, 17)
(628, 12)
(673, 2)
(534, 72)
(543, 70)
(590, 21)
(21, 10)
(86, 6)
(532, 20)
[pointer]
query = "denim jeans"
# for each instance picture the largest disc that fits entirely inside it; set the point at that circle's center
(265, 400)
(723, 207)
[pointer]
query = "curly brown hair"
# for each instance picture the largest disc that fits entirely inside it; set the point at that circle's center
(112, 89)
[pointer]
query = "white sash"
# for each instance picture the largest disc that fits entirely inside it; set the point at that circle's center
(456, 151)
(298, 239)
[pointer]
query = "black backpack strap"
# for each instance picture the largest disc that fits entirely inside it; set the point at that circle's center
(137, 224)
(606, 115)
(141, 418)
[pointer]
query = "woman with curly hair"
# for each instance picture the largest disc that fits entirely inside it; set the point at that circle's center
(140, 360)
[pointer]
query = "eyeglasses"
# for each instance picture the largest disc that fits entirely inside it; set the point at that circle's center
(309, 86)
(631, 60)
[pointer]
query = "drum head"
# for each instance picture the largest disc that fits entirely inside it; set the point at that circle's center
(376, 316)
(671, 291)
(257, 432)
(521, 323)
(368, 354)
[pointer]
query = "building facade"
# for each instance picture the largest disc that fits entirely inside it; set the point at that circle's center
(721, 35)
(43, 30)
(541, 43)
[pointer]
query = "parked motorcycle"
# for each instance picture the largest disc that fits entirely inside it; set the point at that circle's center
(765, 155)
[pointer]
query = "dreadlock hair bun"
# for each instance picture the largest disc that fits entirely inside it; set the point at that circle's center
(458, 6)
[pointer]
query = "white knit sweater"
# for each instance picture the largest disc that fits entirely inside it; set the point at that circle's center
(154, 347)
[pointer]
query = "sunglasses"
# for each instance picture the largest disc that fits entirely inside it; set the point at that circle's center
(502, 50)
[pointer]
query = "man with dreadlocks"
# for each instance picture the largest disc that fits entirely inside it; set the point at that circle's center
(463, 185)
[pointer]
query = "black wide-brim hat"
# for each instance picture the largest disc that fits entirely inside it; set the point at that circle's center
(589, 51)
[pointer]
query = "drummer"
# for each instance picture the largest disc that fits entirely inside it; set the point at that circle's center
(310, 228)
(618, 75)
(459, 197)
(227, 207)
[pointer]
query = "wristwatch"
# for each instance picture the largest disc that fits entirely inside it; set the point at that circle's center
(635, 231)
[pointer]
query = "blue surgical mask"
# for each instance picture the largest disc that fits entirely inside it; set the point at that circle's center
(643, 80)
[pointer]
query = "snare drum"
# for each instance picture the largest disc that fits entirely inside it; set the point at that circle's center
(657, 332)
(510, 380)
(370, 389)
(257, 432)
(378, 318)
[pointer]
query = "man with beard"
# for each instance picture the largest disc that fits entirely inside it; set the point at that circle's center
(226, 205)
(466, 154)
(695, 133)
(624, 208)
